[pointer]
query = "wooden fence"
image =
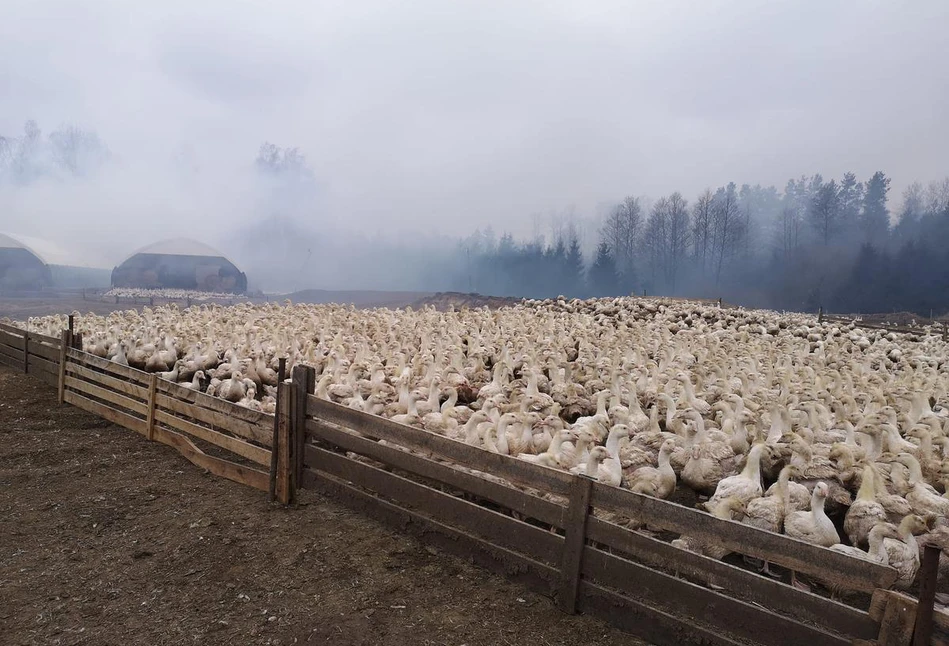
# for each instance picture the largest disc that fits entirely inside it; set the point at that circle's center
(568, 537)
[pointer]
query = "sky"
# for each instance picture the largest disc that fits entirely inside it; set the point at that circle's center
(435, 117)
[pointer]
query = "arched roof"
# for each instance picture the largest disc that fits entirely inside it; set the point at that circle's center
(180, 247)
(8, 242)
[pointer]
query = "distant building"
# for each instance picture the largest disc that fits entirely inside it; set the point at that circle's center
(20, 267)
(180, 264)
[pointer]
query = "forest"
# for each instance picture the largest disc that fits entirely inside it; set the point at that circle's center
(831, 243)
(844, 244)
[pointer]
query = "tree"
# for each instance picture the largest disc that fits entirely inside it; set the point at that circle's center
(621, 231)
(913, 208)
(703, 228)
(875, 219)
(76, 150)
(788, 232)
(655, 239)
(678, 239)
(850, 198)
(603, 279)
(727, 226)
(573, 267)
(825, 211)
(937, 197)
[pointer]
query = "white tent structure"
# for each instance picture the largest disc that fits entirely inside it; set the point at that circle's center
(180, 263)
(20, 267)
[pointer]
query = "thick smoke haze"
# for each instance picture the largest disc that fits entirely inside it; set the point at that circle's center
(421, 122)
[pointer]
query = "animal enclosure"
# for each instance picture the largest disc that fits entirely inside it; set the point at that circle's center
(563, 535)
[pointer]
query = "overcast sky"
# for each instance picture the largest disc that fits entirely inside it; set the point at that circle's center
(449, 115)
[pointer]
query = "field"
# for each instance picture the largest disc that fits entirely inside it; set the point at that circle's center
(107, 539)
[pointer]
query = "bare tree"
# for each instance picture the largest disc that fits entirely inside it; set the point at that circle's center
(655, 237)
(728, 226)
(620, 231)
(937, 197)
(825, 211)
(702, 227)
(678, 236)
(788, 231)
(76, 150)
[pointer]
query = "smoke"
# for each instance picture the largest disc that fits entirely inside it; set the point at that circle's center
(422, 123)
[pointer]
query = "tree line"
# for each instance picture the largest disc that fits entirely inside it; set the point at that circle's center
(831, 243)
(69, 150)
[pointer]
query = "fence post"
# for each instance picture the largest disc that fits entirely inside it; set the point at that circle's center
(575, 532)
(928, 573)
(274, 446)
(26, 352)
(283, 486)
(65, 340)
(152, 398)
(304, 381)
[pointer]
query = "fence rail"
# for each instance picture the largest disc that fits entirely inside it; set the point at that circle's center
(564, 536)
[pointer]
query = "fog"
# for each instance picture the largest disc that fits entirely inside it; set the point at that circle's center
(419, 124)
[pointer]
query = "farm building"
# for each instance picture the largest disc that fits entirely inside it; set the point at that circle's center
(180, 263)
(20, 267)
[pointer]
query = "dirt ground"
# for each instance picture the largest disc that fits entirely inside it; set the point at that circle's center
(108, 539)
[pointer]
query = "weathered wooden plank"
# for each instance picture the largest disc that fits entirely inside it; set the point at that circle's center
(11, 330)
(651, 624)
(928, 573)
(737, 582)
(260, 433)
(61, 377)
(517, 567)
(113, 368)
(47, 378)
(103, 411)
(448, 474)
(204, 400)
(46, 350)
(499, 529)
(303, 379)
(217, 466)
(151, 408)
(574, 540)
(724, 614)
(504, 466)
(896, 626)
(39, 364)
(12, 354)
(284, 491)
(232, 444)
(102, 379)
(43, 338)
(851, 573)
(12, 363)
(940, 628)
(108, 395)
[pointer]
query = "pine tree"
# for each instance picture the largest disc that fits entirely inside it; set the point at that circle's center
(603, 279)
(573, 267)
(850, 197)
(875, 219)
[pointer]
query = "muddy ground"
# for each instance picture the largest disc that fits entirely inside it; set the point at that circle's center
(108, 539)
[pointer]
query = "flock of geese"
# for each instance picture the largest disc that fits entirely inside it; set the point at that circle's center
(832, 434)
(168, 294)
